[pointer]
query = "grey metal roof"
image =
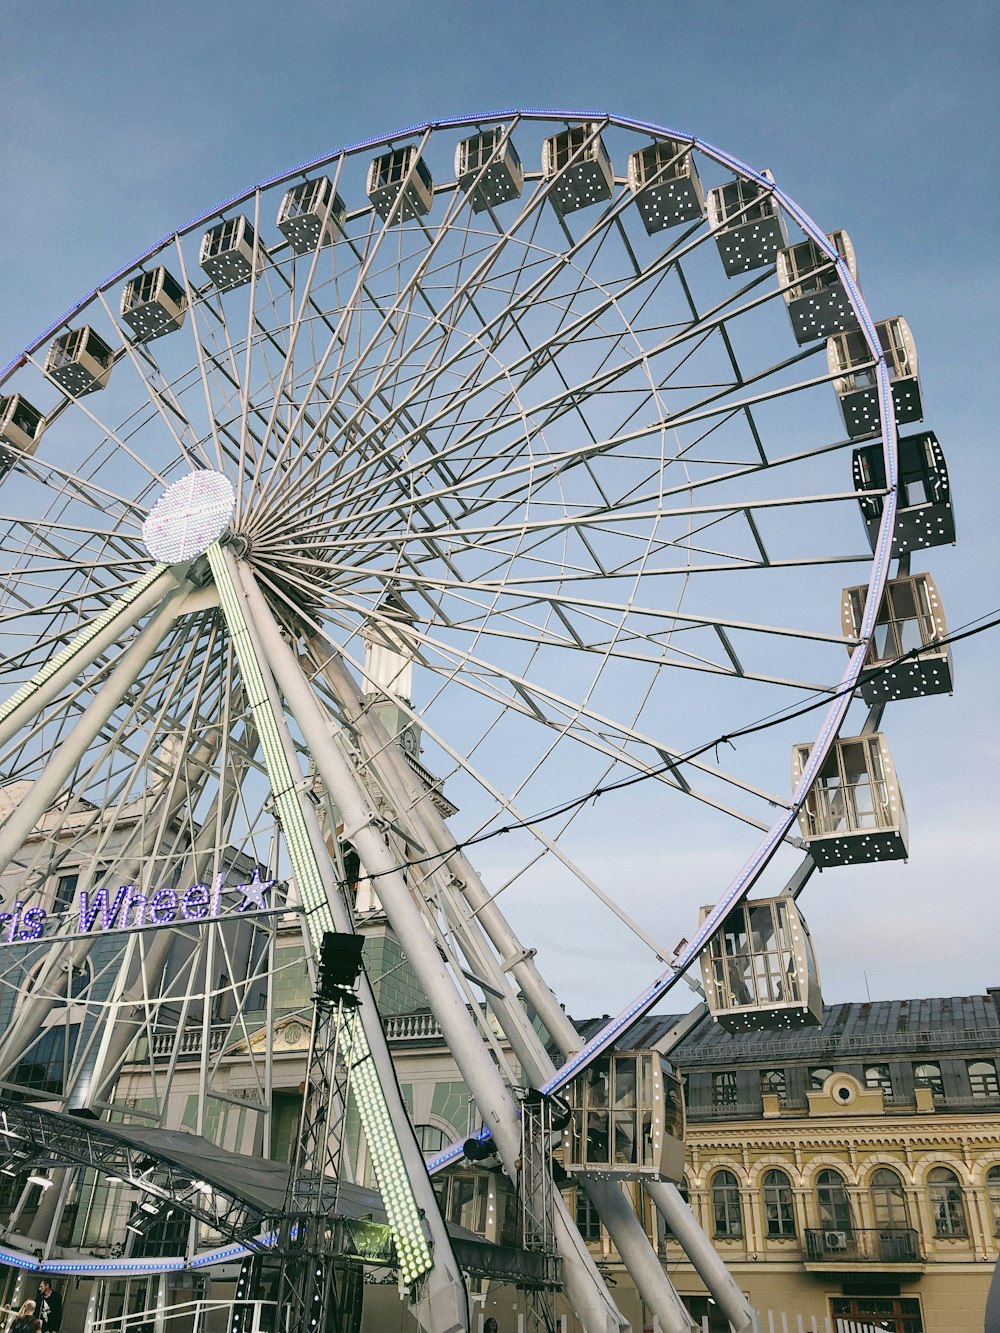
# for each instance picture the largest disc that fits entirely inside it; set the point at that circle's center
(881, 1027)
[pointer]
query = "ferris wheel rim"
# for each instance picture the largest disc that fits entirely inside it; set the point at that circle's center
(881, 559)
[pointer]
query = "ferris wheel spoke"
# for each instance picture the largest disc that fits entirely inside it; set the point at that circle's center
(300, 302)
(197, 341)
(530, 699)
(549, 846)
(555, 267)
(541, 353)
(110, 436)
(555, 711)
(612, 519)
(346, 316)
(167, 410)
(662, 653)
(555, 408)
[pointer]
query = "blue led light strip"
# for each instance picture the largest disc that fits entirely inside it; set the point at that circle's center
(380, 1135)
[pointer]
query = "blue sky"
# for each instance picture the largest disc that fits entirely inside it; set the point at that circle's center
(121, 122)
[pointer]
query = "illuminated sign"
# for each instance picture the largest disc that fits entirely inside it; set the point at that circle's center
(127, 908)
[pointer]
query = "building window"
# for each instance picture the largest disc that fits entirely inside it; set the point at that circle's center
(779, 1212)
(993, 1197)
(834, 1205)
(817, 1077)
(893, 1314)
(463, 1197)
(65, 892)
(888, 1199)
(878, 1078)
(587, 1221)
(947, 1204)
(663, 1232)
(706, 1314)
(43, 1066)
(929, 1076)
(983, 1079)
(772, 1081)
(724, 1089)
(727, 1217)
(286, 1115)
(430, 1139)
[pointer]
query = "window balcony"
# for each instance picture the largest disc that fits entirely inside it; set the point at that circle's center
(896, 1248)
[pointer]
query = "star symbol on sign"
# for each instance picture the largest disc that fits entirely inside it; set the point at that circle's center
(253, 893)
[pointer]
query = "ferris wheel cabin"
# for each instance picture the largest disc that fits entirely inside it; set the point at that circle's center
(748, 226)
(578, 165)
(924, 516)
(759, 970)
(153, 303)
(628, 1119)
(911, 616)
(79, 361)
(311, 214)
(850, 359)
(666, 185)
(488, 169)
(400, 184)
(817, 301)
(854, 811)
(230, 254)
(21, 426)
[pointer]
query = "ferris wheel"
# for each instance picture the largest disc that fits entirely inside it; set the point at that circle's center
(413, 536)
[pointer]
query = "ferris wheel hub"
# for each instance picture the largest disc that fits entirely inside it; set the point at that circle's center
(189, 516)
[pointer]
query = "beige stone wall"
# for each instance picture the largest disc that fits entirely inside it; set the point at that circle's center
(956, 1274)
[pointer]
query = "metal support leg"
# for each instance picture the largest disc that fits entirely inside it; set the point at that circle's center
(83, 651)
(700, 1250)
(441, 1302)
(625, 1229)
(47, 787)
(496, 1105)
(119, 1034)
(640, 1259)
(518, 960)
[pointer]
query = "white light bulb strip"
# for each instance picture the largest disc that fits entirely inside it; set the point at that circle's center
(387, 1159)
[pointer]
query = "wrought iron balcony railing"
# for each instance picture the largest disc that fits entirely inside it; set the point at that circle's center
(885, 1245)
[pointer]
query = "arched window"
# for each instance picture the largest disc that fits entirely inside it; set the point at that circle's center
(834, 1205)
(779, 1212)
(929, 1076)
(772, 1081)
(993, 1195)
(724, 1089)
(817, 1077)
(877, 1077)
(983, 1080)
(888, 1199)
(947, 1203)
(727, 1218)
(430, 1138)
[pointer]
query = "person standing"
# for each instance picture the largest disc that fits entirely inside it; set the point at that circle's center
(49, 1307)
(24, 1319)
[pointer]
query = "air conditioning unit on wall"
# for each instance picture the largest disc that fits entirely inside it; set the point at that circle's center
(835, 1240)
